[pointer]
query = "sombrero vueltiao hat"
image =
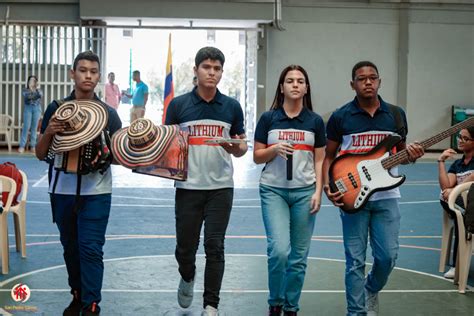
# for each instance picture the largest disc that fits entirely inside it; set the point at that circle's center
(142, 143)
(84, 120)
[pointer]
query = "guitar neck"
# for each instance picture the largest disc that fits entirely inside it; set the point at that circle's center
(402, 156)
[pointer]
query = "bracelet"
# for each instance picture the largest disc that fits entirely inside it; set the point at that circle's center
(441, 160)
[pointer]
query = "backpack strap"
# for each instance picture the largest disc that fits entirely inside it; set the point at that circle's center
(51, 198)
(77, 199)
(401, 128)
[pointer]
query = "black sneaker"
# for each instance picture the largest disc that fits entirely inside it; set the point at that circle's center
(91, 310)
(74, 308)
(274, 310)
(290, 313)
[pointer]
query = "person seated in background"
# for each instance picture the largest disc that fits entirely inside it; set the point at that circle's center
(461, 170)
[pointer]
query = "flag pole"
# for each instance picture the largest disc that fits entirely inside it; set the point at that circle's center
(169, 89)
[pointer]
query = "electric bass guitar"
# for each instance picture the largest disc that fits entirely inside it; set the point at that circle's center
(360, 175)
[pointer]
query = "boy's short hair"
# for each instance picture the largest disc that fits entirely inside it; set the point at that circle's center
(364, 63)
(209, 52)
(87, 55)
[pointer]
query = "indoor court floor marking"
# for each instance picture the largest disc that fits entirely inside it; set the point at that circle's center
(234, 206)
(422, 195)
(227, 236)
(314, 238)
(37, 183)
(20, 276)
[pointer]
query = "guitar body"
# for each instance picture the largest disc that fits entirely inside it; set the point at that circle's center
(359, 176)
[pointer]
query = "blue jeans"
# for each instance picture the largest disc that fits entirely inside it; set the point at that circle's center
(31, 115)
(289, 226)
(82, 235)
(382, 220)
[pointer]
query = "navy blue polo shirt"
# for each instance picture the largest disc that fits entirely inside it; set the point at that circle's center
(92, 183)
(358, 132)
(305, 131)
(209, 165)
(461, 170)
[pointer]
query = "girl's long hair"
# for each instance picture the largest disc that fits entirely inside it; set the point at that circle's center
(280, 97)
(470, 129)
(28, 81)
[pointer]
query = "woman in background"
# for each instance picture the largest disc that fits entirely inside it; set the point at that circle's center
(290, 139)
(461, 170)
(31, 113)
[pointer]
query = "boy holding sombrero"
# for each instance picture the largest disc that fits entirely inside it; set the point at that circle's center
(206, 196)
(80, 201)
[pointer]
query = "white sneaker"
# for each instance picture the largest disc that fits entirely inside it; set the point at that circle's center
(185, 293)
(450, 273)
(210, 311)
(21, 150)
(372, 303)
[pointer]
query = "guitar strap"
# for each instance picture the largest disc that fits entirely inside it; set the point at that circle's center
(401, 128)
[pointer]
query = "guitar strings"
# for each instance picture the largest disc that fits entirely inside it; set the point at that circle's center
(402, 156)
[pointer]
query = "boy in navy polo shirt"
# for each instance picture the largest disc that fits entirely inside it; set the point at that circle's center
(206, 196)
(357, 127)
(80, 207)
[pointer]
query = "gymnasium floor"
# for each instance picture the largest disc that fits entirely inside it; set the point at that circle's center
(141, 273)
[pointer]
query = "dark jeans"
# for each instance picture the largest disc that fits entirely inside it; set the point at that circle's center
(82, 235)
(193, 207)
(456, 233)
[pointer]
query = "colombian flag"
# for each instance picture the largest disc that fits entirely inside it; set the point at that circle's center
(169, 89)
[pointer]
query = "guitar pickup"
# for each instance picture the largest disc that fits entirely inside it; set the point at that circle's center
(366, 173)
(353, 180)
(341, 187)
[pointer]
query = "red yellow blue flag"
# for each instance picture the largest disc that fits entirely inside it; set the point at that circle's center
(169, 89)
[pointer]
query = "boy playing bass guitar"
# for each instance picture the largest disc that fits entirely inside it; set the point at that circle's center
(357, 127)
